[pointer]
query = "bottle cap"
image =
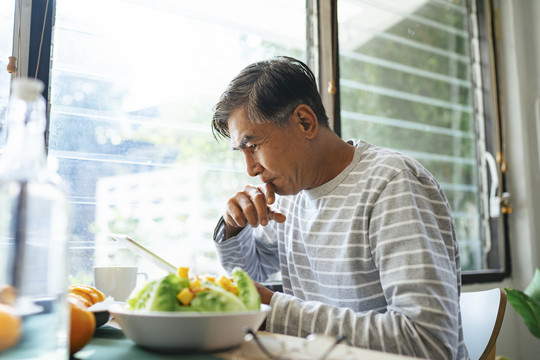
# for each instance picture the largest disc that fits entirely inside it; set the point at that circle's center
(27, 89)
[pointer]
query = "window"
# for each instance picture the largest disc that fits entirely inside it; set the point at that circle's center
(132, 91)
(408, 81)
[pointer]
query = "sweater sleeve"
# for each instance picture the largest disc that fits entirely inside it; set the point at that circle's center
(414, 249)
(257, 255)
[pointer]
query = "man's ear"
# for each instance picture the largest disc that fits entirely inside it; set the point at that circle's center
(307, 120)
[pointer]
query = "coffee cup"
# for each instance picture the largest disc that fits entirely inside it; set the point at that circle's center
(117, 281)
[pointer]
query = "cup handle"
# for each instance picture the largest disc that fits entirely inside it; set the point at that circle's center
(142, 275)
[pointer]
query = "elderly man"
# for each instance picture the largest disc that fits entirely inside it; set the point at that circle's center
(363, 236)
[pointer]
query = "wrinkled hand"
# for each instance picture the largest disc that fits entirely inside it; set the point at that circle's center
(251, 206)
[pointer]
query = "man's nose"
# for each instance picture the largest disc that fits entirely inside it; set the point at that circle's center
(253, 167)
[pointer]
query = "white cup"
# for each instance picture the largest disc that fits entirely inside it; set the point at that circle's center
(117, 281)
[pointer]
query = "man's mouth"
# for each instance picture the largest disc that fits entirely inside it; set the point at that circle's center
(267, 181)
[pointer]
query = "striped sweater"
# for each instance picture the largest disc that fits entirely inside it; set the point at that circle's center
(370, 254)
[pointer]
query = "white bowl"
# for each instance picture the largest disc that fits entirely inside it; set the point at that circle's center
(173, 332)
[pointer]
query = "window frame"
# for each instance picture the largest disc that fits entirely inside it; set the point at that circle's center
(494, 139)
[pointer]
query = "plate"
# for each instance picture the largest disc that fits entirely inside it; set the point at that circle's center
(25, 306)
(177, 332)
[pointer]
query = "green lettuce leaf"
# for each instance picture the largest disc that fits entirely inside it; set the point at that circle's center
(216, 299)
(159, 295)
(138, 298)
(247, 292)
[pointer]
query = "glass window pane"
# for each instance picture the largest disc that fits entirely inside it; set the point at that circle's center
(405, 82)
(133, 84)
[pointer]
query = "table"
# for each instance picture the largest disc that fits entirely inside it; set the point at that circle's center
(110, 343)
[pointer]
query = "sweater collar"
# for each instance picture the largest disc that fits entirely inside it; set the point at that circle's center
(329, 186)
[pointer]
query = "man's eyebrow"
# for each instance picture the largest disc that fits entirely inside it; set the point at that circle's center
(243, 143)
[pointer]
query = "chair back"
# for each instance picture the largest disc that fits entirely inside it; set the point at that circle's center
(482, 314)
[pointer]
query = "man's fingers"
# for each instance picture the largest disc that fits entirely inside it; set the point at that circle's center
(251, 206)
(269, 192)
(276, 216)
(260, 206)
(234, 215)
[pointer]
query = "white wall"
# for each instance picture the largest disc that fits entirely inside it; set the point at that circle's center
(519, 46)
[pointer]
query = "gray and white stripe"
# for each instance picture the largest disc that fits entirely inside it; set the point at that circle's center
(371, 254)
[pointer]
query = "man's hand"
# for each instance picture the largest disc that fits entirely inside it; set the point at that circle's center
(266, 293)
(251, 206)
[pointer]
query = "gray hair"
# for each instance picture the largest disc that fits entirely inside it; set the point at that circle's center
(269, 91)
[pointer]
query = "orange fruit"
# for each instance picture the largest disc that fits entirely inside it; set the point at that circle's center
(83, 324)
(91, 294)
(81, 299)
(10, 327)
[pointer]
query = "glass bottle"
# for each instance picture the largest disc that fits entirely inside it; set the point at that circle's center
(34, 229)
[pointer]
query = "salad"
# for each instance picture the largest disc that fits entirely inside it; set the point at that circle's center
(180, 292)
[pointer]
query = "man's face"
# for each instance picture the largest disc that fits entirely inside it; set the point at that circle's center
(273, 154)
